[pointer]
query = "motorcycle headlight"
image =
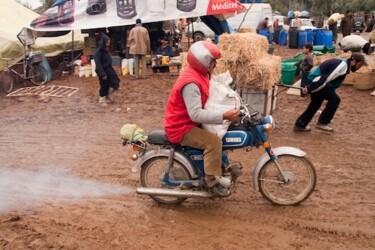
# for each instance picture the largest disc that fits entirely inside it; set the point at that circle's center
(268, 123)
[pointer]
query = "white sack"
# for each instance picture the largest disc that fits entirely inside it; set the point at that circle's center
(221, 99)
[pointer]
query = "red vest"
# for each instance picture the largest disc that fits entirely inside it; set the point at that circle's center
(177, 121)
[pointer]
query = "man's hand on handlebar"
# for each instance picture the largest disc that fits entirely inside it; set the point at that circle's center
(232, 115)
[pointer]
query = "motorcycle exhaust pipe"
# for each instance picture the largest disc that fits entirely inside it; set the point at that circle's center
(174, 193)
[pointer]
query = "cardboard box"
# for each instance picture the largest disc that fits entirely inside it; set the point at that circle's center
(174, 68)
(260, 100)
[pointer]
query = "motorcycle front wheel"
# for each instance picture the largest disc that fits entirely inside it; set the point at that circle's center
(152, 174)
(300, 181)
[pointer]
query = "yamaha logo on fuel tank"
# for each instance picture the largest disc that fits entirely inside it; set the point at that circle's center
(233, 139)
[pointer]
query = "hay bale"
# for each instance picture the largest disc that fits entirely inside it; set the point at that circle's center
(245, 30)
(242, 47)
(262, 73)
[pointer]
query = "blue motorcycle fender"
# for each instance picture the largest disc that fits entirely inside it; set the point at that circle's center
(165, 152)
(265, 158)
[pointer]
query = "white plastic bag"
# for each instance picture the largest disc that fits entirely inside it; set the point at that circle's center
(221, 99)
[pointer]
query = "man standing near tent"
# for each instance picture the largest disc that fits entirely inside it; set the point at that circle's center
(139, 47)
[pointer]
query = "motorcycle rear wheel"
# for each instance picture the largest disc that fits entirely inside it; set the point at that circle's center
(301, 180)
(152, 174)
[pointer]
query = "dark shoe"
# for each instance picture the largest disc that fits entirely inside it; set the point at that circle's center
(324, 127)
(219, 191)
(305, 129)
(235, 170)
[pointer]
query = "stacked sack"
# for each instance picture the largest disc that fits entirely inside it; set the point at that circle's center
(245, 56)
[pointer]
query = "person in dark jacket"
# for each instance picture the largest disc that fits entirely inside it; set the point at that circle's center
(165, 49)
(323, 82)
(108, 79)
(347, 23)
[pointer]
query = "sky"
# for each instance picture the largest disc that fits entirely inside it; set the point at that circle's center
(33, 3)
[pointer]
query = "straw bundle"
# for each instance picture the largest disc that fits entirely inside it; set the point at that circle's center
(245, 30)
(242, 47)
(245, 56)
(259, 74)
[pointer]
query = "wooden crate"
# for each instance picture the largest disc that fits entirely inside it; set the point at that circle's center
(174, 68)
(260, 100)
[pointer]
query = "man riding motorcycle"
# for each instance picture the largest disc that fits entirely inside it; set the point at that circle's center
(185, 112)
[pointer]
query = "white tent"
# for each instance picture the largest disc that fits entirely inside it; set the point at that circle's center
(14, 17)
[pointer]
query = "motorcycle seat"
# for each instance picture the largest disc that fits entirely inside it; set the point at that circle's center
(157, 137)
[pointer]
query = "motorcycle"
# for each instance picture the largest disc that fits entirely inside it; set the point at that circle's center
(171, 173)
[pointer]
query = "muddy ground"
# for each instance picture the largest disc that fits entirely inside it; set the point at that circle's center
(66, 180)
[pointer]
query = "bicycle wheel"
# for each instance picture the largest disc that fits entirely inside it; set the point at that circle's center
(301, 179)
(152, 175)
(6, 81)
(37, 74)
(61, 70)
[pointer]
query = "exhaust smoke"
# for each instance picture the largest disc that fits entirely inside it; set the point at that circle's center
(22, 189)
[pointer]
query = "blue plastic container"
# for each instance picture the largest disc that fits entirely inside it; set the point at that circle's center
(44, 63)
(264, 32)
(318, 37)
(293, 37)
(283, 38)
(302, 38)
(270, 37)
(309, 36)
(327, 37)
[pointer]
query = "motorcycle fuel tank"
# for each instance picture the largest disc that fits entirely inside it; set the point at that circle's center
(237, 139)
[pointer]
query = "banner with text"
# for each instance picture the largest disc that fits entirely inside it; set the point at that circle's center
(91, 14)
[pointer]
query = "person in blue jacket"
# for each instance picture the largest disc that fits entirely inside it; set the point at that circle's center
(322, 84)
(165, 49)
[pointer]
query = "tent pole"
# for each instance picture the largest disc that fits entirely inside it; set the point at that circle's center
(72, 53)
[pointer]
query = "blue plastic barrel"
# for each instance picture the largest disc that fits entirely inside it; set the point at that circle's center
(263, 32)
(302, 38)
(44, 63)
(293, 37)
(283, 37)
(270, 37)
(318, 36)
(327, 37)
(309, 36)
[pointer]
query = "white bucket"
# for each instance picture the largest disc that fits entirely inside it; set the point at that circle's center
(81, 71)
(125, 67)
(131, 66)
(87, 70)
(93, 67)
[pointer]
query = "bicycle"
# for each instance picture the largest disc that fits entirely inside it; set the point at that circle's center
(66, 66)
(32, 71)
